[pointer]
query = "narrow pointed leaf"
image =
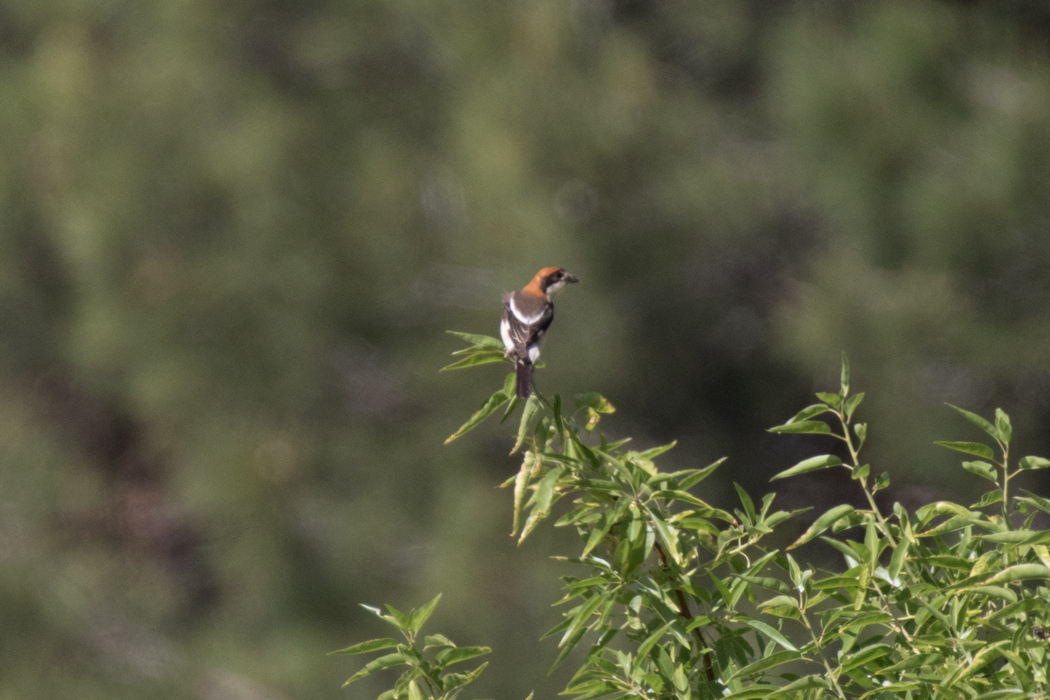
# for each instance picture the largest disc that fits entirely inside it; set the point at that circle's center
(810, 465)
(420, 615)
(700, 475)
(981, 469)
(460, 654)
(520, 482)
(482, 357)
(487, 409)
(366, 647)
(1019, 572)
(377, 665)
(1032, 462)
(823, 523)
(978, 421)
(803, 427)
(971, 448)
(844, 377)
(772, 661)
(483, 340)
(809, 412)
(771, 633)
(531, 406)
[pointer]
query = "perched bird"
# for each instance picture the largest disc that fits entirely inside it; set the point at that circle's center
(527, 313)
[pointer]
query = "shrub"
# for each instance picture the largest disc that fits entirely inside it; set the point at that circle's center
(680, 599)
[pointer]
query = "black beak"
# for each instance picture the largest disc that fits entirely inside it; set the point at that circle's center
(570, 278)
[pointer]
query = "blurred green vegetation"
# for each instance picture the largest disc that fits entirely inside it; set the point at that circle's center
(232, 233)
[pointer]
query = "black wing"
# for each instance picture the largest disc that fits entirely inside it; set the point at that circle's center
(525, 335)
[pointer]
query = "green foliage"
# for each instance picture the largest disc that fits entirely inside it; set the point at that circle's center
(678, 598)
(422, 678)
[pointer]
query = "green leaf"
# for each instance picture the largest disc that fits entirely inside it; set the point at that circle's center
(437, 640)
(823, 523)
(609, 518)
(844, 376)
(595, 401)
(772, 661)
(811, 682)
(1032, 462)
(861, 431)
(809, 412)
(531, 406)
(752, 692)
(989, 498)
(926, 513)
(771, 633)
(912, 662)
(544, 497)
(645, 647)
(897, 560)
(1002, 424)
(971, 448)
(993, 592)
(400, 619)
(482, 357)
(377, 665)
(487, 409)
(1035, 501)
(568, 647)
(745, 500)
(864, 656)
(458, 680)
(881, 482)
(1008, 694)
(979, 422)
(669, 537)
(833, 400)
(851, 404)
(520, 482)
(413, 691)
(700, 474)
(1019, 572)
(486, 341)
(366, 647)
(810, 465)
(803, 427)
(981, 469)
(460, 654)
(777, 601)
(654, 452)
(420, 615)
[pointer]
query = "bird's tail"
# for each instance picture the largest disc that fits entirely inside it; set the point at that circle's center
(524, 368)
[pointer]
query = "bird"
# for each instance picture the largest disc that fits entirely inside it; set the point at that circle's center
(527, 314)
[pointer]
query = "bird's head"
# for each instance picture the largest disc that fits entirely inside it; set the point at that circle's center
(550, 279)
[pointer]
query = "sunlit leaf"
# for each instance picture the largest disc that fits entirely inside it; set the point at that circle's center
(971, 448)
(803, 427)
(366, 647)
(482, 357)
(1032, 462)
(823, 523)
(487, 409)
(981, 469)
(810, 465)
(420, 615)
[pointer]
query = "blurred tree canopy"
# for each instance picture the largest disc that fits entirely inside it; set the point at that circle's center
(233, 233)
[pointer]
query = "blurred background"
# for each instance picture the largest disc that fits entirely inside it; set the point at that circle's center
(232, 235)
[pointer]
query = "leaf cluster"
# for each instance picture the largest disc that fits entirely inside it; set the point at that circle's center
(677, 598)
(427, 674)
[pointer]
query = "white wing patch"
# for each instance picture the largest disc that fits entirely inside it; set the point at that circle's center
(504, 331)
(527, 320)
